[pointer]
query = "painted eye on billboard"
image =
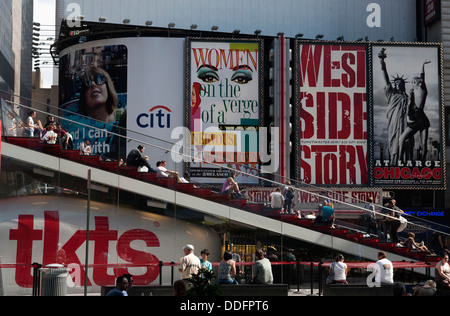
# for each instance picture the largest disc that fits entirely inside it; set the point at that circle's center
(223, 109)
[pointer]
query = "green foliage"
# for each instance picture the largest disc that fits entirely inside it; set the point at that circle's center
(200, 284)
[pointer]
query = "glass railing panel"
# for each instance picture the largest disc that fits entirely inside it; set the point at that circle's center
(353, 221)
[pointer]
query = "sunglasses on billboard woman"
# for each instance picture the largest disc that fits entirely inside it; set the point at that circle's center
(98, 79)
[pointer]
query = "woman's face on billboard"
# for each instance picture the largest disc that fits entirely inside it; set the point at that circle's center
(97, 93)
(194, 97)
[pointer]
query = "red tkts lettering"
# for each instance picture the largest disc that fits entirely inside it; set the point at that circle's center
(101, 236)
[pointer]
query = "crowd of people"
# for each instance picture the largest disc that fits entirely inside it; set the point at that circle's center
(385, 223)
(51, 133)
(190, 264)
(382, 273)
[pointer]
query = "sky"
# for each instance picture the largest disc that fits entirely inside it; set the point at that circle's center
(44, 13)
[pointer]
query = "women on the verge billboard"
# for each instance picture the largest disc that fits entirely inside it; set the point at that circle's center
(369, 114)
(223, 79)
(407, 116)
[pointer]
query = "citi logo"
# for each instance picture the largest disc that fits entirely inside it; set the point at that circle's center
(158, 116)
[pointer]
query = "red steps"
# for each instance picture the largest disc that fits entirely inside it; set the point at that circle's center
(386, 246)
(70, 154)
(432, 258)
(324, 228)
(203, 193)
(128, 171)
(55, 150)
(26, 142)
(239, 203)
(418, 255)
(185, 187)
(402, 251)
(149, 177)
(254, 208)
(109, 165)
(166, 182)
(339, 232)
(220, 197)
(355, 237)
(373, 242)
(305, 222)
(90, 160)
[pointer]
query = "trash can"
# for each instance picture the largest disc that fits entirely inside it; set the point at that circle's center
(54, 280)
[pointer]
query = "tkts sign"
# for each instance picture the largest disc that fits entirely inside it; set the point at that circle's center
(333, 114)
(27, 236)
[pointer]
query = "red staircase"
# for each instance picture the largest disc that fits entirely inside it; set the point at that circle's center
(205, 193)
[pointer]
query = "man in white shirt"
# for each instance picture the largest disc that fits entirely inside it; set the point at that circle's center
(190, 263)
(276, 199)
(384, 270)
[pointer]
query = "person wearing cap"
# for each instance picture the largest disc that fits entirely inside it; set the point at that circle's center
(190, 263)
(136, 159)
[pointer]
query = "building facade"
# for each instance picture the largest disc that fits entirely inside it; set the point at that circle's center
(382, 19)
(15, 47)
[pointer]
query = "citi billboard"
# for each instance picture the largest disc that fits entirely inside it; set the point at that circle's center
(148, 79)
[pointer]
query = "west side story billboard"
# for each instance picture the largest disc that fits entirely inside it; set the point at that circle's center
(369, 115)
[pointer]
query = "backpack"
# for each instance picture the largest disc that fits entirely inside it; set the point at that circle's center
(290, 194)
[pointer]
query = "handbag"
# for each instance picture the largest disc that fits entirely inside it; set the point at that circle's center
(330, 277)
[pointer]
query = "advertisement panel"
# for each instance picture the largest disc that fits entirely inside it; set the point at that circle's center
(369, 114)
(331, 116)
(307, 200)
(223, 108)
(148, 78)
(407, 116)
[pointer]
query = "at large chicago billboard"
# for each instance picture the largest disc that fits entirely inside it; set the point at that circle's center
(369, 115)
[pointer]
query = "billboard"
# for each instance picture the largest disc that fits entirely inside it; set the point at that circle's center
(369, 114)
(331, 89)
(223, 104)
(93, 92)
(147, 75)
